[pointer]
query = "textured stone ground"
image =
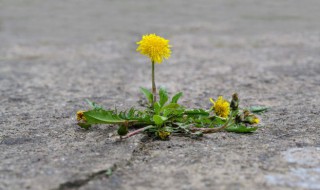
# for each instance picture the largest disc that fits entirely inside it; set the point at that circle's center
(54, 54)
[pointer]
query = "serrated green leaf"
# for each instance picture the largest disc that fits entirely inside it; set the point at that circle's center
(196, 112)
(159, 120)
(239, 128)
(93, 104)
(147, 94)
(163, 96)
(131, 112)
(102, 117)
(176, 97)
(257, 109)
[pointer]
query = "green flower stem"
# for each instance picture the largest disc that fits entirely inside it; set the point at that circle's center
(154, 89)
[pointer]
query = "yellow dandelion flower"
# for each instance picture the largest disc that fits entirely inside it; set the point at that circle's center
(80, 116)
(154, 47)
(221, 107)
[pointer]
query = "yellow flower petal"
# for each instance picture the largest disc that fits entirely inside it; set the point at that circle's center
(212, 101)
(221, 107)
(154, 47)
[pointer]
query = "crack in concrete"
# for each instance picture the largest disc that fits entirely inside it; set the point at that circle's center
(78, 183)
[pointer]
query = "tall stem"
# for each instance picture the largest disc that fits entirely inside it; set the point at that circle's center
(154, 89)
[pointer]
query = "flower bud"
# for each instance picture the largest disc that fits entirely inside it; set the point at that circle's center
(163, 134)
(234, 102)
(122, 130)
(252, 119)
(239, 118)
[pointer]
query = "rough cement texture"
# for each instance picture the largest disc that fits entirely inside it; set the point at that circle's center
(55, 54)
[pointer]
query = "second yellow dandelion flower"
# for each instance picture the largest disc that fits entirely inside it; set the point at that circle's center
(221, 107)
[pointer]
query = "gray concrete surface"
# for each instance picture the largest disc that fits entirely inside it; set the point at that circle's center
(54, 54)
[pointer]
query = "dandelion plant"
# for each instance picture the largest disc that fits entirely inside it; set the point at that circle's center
(165, 117)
